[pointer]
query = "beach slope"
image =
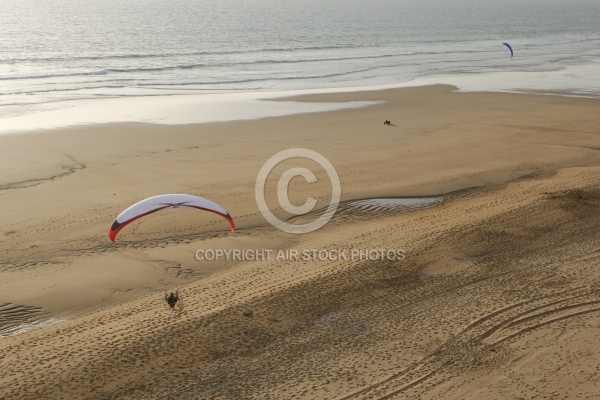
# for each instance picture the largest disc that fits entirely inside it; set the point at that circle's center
(497, 295)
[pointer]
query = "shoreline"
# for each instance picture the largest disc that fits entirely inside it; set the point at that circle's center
(65, 188)
(179, 109)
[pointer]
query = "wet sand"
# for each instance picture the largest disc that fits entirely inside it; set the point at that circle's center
(498, 295)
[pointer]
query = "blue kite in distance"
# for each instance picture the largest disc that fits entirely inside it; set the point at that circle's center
(510, 48)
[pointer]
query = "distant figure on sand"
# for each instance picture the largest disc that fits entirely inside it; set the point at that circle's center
(387, 122)
(171, 299)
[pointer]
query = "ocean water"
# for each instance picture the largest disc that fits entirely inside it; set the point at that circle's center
(55, 54)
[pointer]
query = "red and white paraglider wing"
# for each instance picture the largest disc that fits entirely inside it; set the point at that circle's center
(162, 202)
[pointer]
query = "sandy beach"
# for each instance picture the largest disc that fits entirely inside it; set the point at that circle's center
(497, 295)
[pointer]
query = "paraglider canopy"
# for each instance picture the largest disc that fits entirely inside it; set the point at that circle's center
(163, 202)
(510, 48)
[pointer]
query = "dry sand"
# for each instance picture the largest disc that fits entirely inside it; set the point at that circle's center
(498, 296)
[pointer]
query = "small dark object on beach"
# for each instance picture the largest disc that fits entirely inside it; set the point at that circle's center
(387, 122)
(171, 299)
